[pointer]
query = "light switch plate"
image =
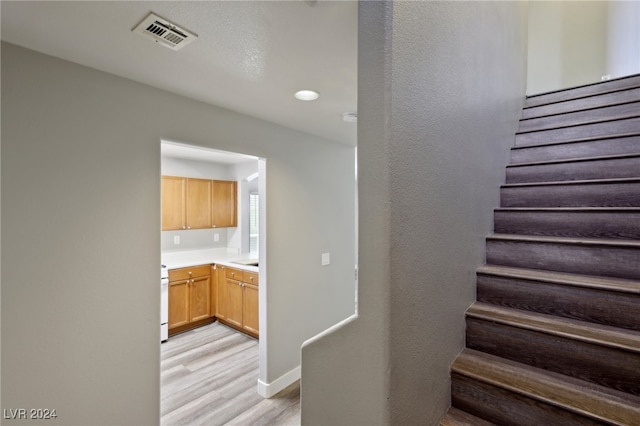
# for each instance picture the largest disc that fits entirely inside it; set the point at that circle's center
(176, 239)
(326, 259)
(216, 237)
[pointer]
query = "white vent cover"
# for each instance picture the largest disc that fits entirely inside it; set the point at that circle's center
(164, 32)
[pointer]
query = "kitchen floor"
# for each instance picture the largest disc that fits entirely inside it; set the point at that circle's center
(208, 377)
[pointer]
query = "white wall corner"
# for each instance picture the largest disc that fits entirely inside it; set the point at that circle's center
(267, 390)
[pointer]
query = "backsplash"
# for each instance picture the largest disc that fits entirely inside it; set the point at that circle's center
(193, 239)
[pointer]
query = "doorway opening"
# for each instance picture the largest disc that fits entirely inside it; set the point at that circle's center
(243, 242)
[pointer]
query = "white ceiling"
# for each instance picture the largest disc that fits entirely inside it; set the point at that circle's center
(196, 153)
(250, 56)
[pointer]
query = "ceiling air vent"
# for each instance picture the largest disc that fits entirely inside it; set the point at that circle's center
(164, 32)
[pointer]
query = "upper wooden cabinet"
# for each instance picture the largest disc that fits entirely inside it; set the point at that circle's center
(189, 203)
(174, 213)
(225, 203)
(198, 202)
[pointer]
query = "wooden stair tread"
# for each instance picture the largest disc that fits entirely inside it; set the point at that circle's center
(455, 417)
(575, 160)
(576, 140)
(572, 394)
(583, 103)
(573, 182)
(530, 101)
(579, 330)
(571, 209)
(587, 123)
(582, 91)
(590, 281)
(571, 118)
(566, 240)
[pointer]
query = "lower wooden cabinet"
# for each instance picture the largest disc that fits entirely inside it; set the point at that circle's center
(190, 298)
(250, 309)
(200, 294)
(237, 299)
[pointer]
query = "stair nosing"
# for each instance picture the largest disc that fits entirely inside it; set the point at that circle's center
(572, 141)
(568, 393)
(573, 182)
(526, 132)
(598, 334)
(575, 160)
(565, 240)
(619, 285)
(571, 111)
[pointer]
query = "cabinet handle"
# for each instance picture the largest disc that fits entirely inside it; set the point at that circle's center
(189, 272)
(188, 227)
(184, 227)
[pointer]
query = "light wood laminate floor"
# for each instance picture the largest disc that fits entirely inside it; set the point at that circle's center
(209, 377)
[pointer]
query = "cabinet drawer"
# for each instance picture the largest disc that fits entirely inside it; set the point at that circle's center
(250, 277)
(234, 274)
(188, 273)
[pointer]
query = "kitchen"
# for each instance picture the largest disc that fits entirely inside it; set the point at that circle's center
(209, 242)
(210, 281)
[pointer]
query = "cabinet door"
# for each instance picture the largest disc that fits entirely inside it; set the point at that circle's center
(173, 199)
(233, 301)
(198, 204)
(200, 298)
(225, 203)
(250, 309)
(221, 293)
(214, 290)
(178, 303)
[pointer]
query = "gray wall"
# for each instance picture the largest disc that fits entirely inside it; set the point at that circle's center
(572, 43)
(441, 86)
(623, 38)
(81, 241)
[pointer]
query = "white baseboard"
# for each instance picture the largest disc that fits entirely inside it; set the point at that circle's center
(267, 390)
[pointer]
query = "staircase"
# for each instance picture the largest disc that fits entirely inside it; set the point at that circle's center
(554, 336)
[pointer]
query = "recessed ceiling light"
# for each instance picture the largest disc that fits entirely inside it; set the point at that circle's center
(307, 95)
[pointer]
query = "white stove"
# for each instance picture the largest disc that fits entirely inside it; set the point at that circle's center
(164, 303)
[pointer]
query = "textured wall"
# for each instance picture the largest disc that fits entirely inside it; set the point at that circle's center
(440, 92)
(81, 236)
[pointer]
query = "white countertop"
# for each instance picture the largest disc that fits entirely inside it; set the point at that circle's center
(186, 258)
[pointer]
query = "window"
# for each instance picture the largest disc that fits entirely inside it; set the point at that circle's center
(254, 219)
